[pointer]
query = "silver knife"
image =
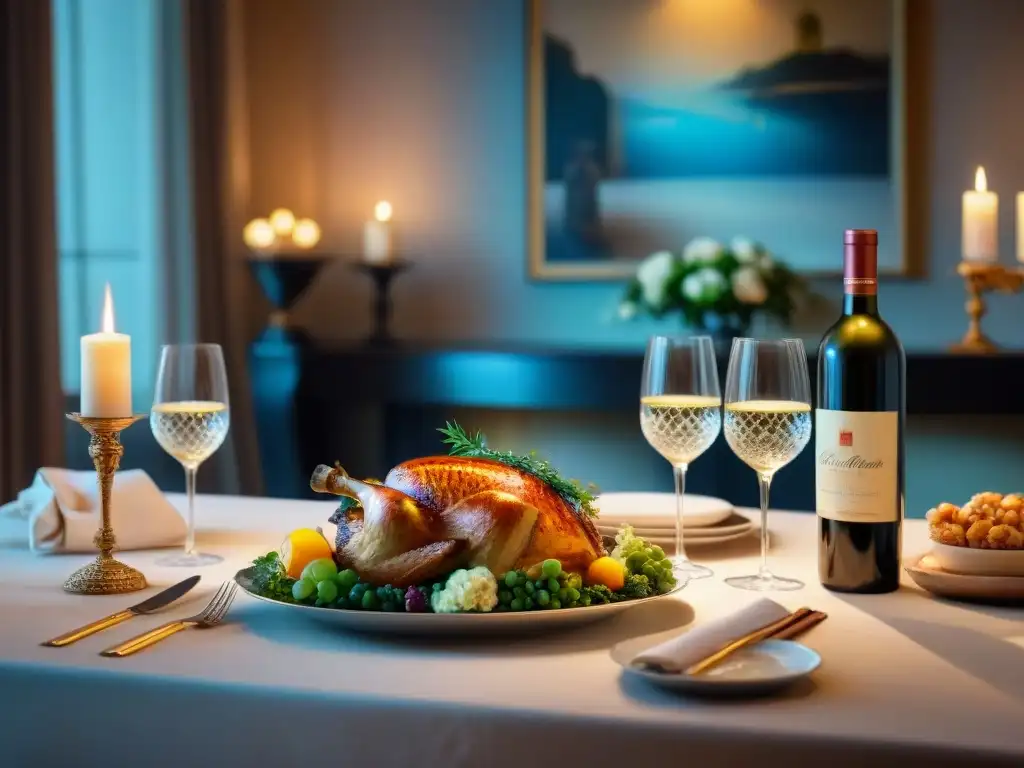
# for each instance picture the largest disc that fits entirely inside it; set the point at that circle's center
(154, 603)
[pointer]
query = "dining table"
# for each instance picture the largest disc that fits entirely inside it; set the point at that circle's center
(906, 678)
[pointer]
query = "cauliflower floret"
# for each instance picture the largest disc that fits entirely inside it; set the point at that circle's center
(475, 589)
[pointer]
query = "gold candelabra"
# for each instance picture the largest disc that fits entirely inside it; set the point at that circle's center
(105, 575)
(979, 279)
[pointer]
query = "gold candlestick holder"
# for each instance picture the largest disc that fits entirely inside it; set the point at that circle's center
(979, 279)
(105, 575)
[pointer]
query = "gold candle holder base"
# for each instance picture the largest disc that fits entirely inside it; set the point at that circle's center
(980, 279)
(105, 575)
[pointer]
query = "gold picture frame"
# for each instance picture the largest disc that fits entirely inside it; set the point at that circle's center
(904, 167)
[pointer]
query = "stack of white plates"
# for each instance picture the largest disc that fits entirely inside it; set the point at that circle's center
(706, 520)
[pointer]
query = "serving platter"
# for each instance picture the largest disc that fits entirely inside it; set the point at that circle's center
(927, 574)
(452, 624)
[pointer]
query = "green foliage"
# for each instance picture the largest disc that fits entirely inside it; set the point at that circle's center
(270, 580)
(460, 443)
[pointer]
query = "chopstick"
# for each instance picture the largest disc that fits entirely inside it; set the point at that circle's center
(798, 621)
(801, 626)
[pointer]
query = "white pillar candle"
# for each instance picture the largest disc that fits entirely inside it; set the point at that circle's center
(379, 235)
(1020, 226)
(107, 369)
(980, 221)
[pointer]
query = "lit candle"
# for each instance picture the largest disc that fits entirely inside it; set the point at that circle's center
(980, 221)
(1020, 226)
(378, 235)
(283, 221)
(107, 368)
(306, 233)
(259, 234)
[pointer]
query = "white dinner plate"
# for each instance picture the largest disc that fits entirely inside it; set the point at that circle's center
(668, 543)
(452, 623)
(736, 523)
(758, 669)
(658, 509)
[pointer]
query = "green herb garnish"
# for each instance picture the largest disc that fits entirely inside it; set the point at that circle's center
(270, 580)
(462, 444)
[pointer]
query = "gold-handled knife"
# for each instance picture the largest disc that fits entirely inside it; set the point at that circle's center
(154, 603)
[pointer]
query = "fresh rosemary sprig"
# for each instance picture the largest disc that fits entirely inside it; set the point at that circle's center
(462, 444)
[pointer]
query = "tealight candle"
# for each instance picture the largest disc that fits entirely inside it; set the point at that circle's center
(980, 221)
(107, 369)
(259, 234)
(378, 235)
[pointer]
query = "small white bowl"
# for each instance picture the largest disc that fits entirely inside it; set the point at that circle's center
(979, 562)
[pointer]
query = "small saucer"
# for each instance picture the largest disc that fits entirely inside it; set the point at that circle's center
(927, 574)
(756, 670)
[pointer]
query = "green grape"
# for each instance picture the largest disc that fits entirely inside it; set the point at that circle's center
(543, 597)
(527, 603)
(519, 592)
(327, 590)
(541, 584)
(511, 579)
(346, 579)
(563, 594)
(302, 589)
(370, 601)
(553, 585)
(321, 569)
(575, 581)
(522, 579)
(529, 588)
(648, 552)
(649, 571)
(574, 594)
(551, 568)
(555, 603)
(636, 561)
(504, 597)
(516, 605)
(657, 553)
(341, 602)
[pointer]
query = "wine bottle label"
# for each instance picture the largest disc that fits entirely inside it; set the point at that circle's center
(856, 469)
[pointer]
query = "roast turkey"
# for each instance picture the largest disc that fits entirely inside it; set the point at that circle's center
(434, 514)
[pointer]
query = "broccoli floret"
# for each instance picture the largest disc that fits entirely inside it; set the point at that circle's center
(636, 586)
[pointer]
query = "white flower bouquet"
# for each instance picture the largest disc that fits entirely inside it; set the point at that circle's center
(715, 287)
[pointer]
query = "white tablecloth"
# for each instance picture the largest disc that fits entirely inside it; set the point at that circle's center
(906, 678)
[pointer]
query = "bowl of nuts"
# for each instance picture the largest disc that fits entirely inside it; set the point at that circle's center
(984, 537)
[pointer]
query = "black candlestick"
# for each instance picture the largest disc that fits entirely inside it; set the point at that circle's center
(382, 275)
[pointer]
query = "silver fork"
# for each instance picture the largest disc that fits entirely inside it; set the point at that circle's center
(210, 616)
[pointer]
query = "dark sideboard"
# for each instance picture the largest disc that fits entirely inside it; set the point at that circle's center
(377, 406)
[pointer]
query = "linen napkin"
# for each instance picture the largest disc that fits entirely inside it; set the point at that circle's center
(679, 653)
(60, 512)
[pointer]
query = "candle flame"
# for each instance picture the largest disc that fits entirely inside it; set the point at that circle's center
(107, 325)
(980, 182)
(283, 221)
(382, 211)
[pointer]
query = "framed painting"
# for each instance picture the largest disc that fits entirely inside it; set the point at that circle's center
(651, 122)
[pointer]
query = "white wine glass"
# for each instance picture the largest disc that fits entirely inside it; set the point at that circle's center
(190, 420)
(767, 425)
(681, 415)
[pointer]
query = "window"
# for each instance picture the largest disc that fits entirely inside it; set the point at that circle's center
(108, 176)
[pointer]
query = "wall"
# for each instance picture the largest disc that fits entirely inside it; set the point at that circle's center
(422, 104)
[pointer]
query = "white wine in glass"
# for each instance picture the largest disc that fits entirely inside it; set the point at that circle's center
(767, 425)
(681, 416)
(190, 420)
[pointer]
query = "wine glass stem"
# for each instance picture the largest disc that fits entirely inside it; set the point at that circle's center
(764, 481)
(679, 471)
(190, 491)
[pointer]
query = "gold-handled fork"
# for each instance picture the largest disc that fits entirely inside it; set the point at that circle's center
(210, 616)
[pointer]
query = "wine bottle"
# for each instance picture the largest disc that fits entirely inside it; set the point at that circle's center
(859, 450)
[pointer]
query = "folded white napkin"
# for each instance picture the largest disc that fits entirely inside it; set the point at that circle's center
(61, 510)
(687, 649)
